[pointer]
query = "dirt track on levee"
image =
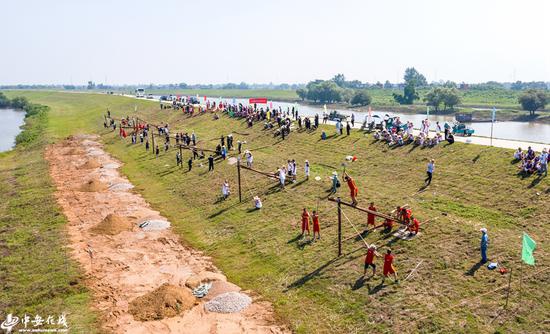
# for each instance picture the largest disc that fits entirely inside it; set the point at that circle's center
(140, 274)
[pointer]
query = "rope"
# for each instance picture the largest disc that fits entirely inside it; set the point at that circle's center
(478, 296)
(356, 231)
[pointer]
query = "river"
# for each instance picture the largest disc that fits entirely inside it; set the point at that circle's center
(12, 120)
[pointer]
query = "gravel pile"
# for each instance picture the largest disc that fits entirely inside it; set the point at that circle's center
(154, 225)
(230, 302)
(110, 166)
(121, 186)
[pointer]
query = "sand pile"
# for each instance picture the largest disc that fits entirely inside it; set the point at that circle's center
(90, 164)
(93, 185)
(165, 302)
(112, 225)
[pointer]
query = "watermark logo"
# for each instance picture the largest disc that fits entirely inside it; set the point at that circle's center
(35, 324)
(10, 322)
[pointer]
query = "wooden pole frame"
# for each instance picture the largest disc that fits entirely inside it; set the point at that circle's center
(376, 213)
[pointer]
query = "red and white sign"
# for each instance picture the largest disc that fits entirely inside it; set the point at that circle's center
(261, 100)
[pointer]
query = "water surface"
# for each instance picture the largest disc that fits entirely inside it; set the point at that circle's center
(11, 121)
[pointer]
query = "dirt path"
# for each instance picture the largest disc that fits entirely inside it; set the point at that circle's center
(137, 260)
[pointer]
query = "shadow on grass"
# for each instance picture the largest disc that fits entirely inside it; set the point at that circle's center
(273, 189)
(376, 289)
(296, 238)
(413, 148)
(214, 215)
(298, 183)
(168, 171)
(359, 283)
(475, 267)
(306, 278)
(535, 181)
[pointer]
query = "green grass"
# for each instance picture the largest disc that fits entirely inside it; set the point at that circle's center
(37, 275)
(312, 289)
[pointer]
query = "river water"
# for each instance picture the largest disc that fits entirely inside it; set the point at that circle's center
(522, 131)
(11, 120)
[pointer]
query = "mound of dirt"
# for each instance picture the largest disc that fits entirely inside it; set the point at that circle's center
(74, 151)
(165, 302)
(93, 185)
(90, 164)
(112, 225)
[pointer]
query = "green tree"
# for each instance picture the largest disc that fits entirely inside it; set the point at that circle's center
(302, 93)
(4, 101)
(434, 98)
(450, 98)
(387, 85)
(408, 96)
(361, 98)
(19, 102)
(412, 75)
(533, 100)
(339, 79)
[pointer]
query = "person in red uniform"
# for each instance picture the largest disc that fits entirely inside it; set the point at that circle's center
(371, 217)
(414, 226)
(305, 222)
(388, 266)
(369, 259)
(388, 225)
(316, 226)
(354, 191)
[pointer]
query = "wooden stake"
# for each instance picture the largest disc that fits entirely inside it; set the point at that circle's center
(153, 140)
(239, 177)
(508, 292)
(181, 158)
(339, 227)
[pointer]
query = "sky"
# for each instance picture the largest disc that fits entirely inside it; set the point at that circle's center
(207, 41)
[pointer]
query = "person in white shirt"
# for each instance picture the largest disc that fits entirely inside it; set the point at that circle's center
(282, 176)
(257, 202)
(518, 155)
(430, 171)
(306, 170)
(249, 159)
(225, 190)
(543, 160)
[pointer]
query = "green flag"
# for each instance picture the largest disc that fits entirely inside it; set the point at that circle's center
(528, 248)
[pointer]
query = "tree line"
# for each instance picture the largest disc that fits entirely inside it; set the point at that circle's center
(442, 97)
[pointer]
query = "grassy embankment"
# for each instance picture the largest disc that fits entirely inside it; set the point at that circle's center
(36, 274)
(313, 290)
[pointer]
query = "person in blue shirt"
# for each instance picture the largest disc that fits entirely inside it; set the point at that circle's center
(484, 244)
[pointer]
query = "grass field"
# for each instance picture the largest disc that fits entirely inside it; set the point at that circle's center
(312, 289)
(37, 275)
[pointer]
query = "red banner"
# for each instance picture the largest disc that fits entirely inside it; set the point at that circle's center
(258, 100)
